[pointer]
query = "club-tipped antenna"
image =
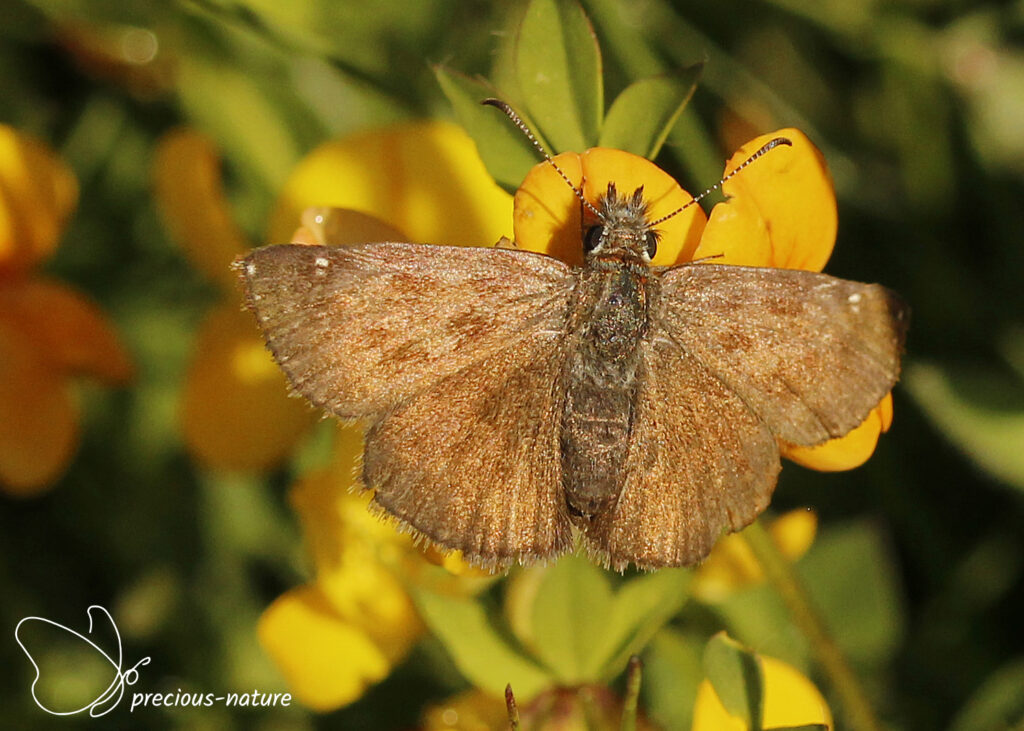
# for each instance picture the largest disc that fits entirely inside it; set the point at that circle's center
(518, 122)
(764, 149)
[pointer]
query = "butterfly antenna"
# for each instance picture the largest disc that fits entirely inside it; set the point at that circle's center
(518, 122)
(764, 149)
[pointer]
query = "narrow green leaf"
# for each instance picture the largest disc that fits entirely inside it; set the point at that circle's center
(645, 112)
(980, 409)
(480, 653)
(506, 152)
(570, 614)
(559, 68)
(736, 675)
(804, 727)
(503, 73)
(997, 704)
(672, 672)
(757, 616)
(238, 111)
(849, 575)
(639, 608)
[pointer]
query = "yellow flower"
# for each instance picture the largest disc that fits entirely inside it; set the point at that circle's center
(780, 212)
(732, 565)
(426, 180)
(790, 699)
(342, 632)
(49, 332)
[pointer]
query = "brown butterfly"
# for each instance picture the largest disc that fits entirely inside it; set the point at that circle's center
(510, 397)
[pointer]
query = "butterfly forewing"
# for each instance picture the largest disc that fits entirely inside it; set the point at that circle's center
(360, 329)
(809, 354)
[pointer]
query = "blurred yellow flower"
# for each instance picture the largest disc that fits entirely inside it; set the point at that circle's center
(780, 212)
(426, 180)
(49, 332)
(732, 565)
(790, 699)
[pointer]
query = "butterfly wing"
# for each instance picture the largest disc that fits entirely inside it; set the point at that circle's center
(810, 354)
(360, 329)
(474, 462)
(699, 463)
(735, 358)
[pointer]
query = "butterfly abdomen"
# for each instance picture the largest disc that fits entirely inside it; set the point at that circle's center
(609, 320)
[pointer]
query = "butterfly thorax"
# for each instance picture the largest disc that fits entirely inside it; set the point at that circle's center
(608, 321)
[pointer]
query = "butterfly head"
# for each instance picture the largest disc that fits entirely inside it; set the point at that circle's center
(622, 229)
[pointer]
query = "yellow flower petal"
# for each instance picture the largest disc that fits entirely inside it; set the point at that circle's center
(424, 178)
(70, 330)
(849, 451)
(38, 192)
(790, 700)
(369, 596)
(343, 227)
(732, 565)
(190, 196)
(39, 426)
(326, 661)
(236, 412)
(547, 212)
(781, 210)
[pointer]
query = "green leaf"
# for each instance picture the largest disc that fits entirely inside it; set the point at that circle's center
(980, 409)
(645, 112)
(238, 111)
(559, 68)
(998, 704)
(480, 653)
(849, 574)
(640, 607)
(672, 671)
(757, 616)
(570, 613)
(804, 727)
(506, 151)
(851, 578)
(736, 675)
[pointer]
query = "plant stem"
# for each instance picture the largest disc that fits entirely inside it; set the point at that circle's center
(629, 709)
(857, 710)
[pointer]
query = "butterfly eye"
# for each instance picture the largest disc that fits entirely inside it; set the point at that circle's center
(592, 238)
(652, 244)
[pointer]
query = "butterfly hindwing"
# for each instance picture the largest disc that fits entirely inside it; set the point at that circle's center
(700, 463)
(474, 462)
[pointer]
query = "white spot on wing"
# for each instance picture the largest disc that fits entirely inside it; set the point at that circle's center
(250, 269)
(321, 264)
(854, 298)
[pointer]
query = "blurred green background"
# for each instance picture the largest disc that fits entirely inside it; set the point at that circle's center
(917, 106)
